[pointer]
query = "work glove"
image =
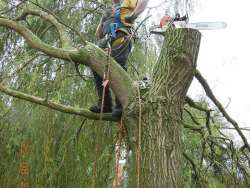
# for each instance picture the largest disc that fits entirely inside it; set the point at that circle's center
(130, 19)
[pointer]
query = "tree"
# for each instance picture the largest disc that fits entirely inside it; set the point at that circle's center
(152, 121)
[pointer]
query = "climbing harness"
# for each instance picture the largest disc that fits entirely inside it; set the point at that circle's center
(128, 38)
(124, 44)
(113, 23)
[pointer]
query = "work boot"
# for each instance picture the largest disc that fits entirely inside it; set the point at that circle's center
(117, 113)
(107, 105)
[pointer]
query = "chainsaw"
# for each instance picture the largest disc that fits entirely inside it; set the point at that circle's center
(183, 22)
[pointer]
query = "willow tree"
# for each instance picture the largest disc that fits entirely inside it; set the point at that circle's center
(156, 138)
(152, 118)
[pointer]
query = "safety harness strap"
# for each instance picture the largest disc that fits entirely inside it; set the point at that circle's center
(114, 23)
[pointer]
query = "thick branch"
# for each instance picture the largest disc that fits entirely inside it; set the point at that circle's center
(220, 107)
(55, 106)
(35, 42)
(120, 82)
(59, 20)
(196, 171)
(90, 55)
(64, 38)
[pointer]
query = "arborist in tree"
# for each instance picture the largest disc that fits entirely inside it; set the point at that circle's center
(115, 32)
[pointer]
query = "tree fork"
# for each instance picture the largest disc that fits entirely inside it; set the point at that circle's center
(90, 55)
(161, 123)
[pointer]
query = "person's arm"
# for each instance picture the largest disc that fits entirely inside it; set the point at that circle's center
(140, 7)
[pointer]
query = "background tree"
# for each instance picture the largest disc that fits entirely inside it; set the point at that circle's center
(72, 151)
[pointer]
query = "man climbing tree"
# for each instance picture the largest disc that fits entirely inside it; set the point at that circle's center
(115, 32)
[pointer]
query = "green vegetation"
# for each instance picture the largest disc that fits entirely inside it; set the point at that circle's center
(64, 150)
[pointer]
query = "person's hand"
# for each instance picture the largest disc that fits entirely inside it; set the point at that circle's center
(130, 19)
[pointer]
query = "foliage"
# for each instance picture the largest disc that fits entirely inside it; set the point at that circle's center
(62, 148)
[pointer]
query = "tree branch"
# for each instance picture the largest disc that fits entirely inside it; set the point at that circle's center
(64, 38)
(35, 42)
(196, 170)
(4, 11)
(124, 88)
(90, 55)
(192, 117)
(210, 94)
(229, 128)
(19, 69)
(193, 128)
(55, 106)
(193, 104)
(59, 20)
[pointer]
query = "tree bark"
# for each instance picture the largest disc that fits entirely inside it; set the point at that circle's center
(161, 160)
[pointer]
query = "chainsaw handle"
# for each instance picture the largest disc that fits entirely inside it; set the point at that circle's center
(170, 20)
(183, 18)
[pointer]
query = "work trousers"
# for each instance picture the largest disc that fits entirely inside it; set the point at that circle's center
(120, 54)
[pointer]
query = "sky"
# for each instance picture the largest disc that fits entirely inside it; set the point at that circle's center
(223, 58)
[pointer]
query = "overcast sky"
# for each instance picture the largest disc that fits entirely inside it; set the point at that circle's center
(224, 55)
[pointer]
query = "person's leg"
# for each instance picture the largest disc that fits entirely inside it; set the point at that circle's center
(107, 107)
(121, 56)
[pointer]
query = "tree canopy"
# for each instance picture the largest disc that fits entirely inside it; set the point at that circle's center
(41, 43)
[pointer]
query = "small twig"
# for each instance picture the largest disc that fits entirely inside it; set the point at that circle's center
(229, 102)
(192, 117)
(220, 107)
(193, 104)
(20, 68)
(208, 123)
(80, 128)
(144, 20)
(230, 128)
(132, 65)
(210, 134)
(12, 8)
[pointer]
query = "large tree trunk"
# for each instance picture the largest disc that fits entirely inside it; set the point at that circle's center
(161, 151)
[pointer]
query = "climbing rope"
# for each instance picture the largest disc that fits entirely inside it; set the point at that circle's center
(105, 85)
(118, 156)
(105, 78)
